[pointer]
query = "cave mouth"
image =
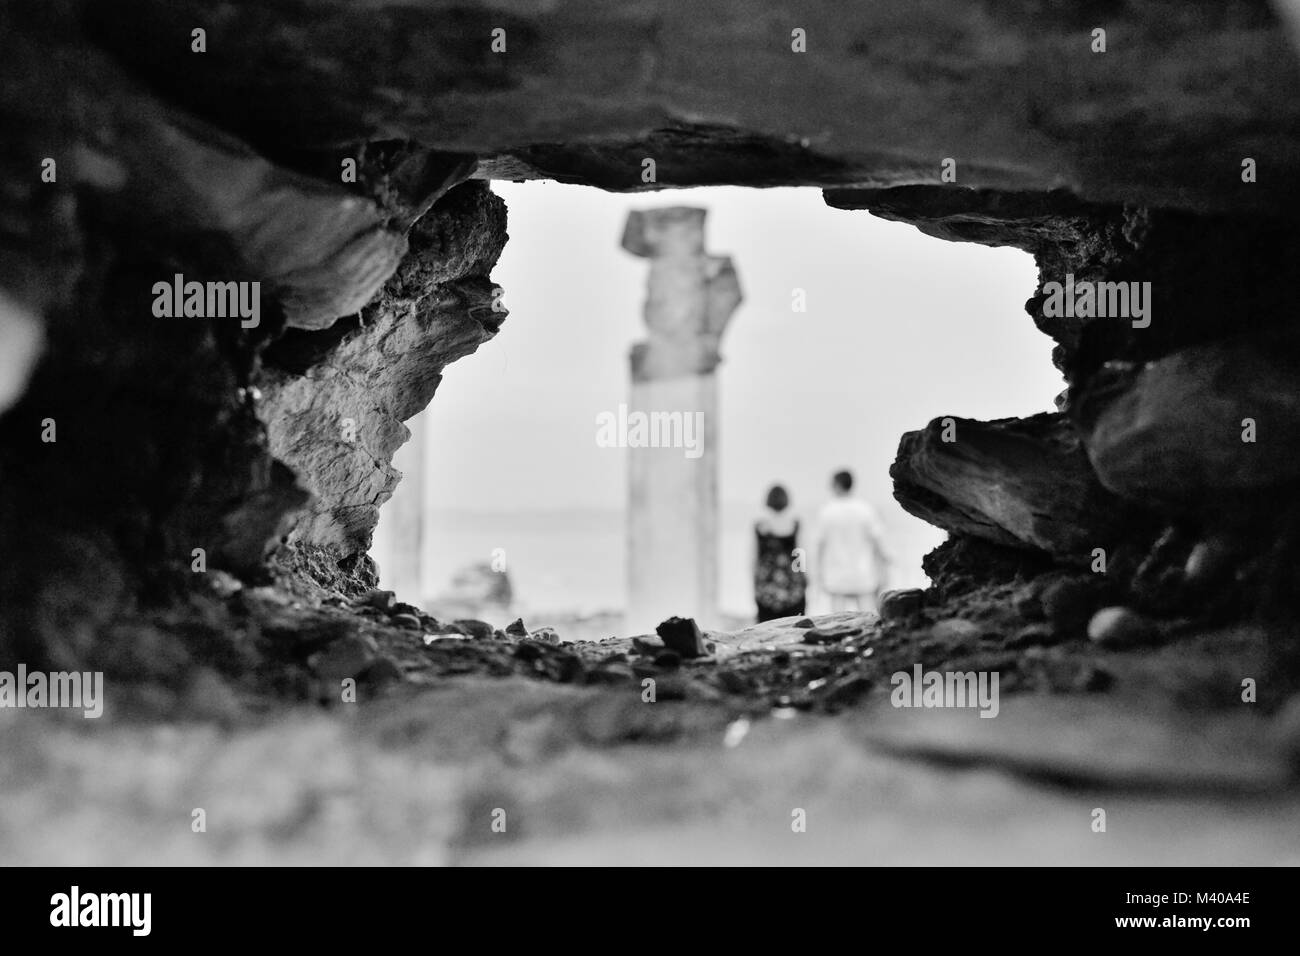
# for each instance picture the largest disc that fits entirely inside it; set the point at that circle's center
(242, 465)
(187, 500)
(548, 544)
(1072, 533)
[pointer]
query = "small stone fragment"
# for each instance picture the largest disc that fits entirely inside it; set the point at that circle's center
(223, 583)
(648, 648)
(379, 599)
(832, 634)
(477, 630)
(900, 605)
(1035, 635)
(682, 635)
(1208, 561)
(736, 731)
(516, 628)
(346, 657)
(445, 631)
(797, 702)
(1028, 604)
(1118, 627)
(1069, 603)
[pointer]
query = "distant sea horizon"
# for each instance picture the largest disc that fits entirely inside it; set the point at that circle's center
(573, 560)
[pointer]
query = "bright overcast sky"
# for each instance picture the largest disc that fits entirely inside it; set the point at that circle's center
(900, 328)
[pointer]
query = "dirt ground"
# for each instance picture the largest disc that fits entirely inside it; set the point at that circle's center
(768, 750)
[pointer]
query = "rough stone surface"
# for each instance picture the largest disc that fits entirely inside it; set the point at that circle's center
(1022, 483)
(1119, 627)
(162, 463)
(184, 435)
(690, 295)
(683, 636)
(884, 93)
(334, 402)
(900, 605)
(1069, 603)
(1209, 419)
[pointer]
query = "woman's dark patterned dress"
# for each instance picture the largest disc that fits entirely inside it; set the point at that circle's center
(778, 587)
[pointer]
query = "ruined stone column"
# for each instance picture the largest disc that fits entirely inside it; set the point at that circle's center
(672, 510)
(399, 537)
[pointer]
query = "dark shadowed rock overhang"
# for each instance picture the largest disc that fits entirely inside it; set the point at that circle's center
(232, 164)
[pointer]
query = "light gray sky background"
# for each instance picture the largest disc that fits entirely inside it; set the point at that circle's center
(900, 328)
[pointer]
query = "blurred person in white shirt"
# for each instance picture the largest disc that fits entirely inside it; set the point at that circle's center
(850, 564)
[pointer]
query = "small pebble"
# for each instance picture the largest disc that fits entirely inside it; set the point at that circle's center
(1118, 627)
(1208, 561)
(736, 732)
(1069, 603)
(346, 657)
(900, 605)
(1035, 635)
(1028, 604)
(832, 634)
(648, 648)
(379, 599)
(478, 630)
(682, 635)
(224, 583)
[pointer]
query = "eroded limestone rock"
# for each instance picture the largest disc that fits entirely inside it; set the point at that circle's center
(584, 92)
(334, 402)
(1018, 482)
(226, 166)
(1209, 419)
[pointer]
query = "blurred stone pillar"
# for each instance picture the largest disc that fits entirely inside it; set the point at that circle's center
(672, 511)
(398, 546)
